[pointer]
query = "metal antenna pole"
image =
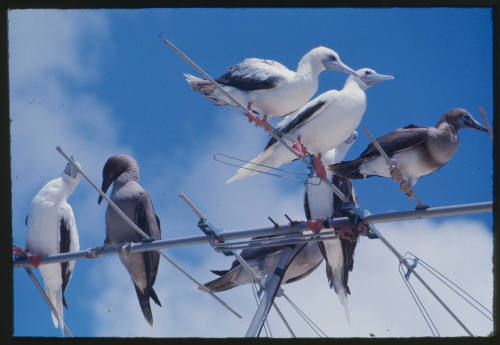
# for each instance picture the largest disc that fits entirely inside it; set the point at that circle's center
(272, 285)
(247, 112)
(485, 119)
(408, 266)
(46, 298)
(142, 233)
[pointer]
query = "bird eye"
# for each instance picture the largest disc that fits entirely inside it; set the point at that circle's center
(333, 58)
(368, 72)
(467, 117)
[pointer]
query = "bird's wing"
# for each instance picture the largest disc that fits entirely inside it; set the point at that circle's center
(148, 221)
(68, 242)
(302, 116)
(255, 74)
(398, 140)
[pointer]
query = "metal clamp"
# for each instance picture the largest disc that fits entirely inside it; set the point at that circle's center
(412, 268)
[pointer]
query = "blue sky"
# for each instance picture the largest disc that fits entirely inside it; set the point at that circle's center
(101, 82)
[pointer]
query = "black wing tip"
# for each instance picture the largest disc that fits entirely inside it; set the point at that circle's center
(219, 272)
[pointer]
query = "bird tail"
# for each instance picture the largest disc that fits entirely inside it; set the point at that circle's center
(223, 283)
(349, 169)
(56, 298)
(273, 157)
(335, 268)
(144, 303)
(206, 88)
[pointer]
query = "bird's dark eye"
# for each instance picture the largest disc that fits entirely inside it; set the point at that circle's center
(368, 72)
(333, 58)
(467, 117)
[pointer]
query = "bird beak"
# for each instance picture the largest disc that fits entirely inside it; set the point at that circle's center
(375, 78)
(338, 66)
(107, 180)
(473, 123)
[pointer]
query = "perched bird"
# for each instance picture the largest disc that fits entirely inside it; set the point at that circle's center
(321, 203)
(318, 126)
(263, 262)
(416, 151)
(52, 230)
(269, 88)
(123, 171)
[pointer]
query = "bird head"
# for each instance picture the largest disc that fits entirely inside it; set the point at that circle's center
(461, 118)
(369, 77)
(71, 170)
(329, 59)
(115, 167)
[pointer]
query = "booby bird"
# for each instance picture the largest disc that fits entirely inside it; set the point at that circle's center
(269, 88)
(321, 203)
(123, 171)
(416, 151)
(318, 126)
(263, 262)
(52, 230)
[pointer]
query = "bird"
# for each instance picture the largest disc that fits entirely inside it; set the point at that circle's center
(123, 172)
(269, 88)
(263, 262)
(318, 126)
(51, 229)
(416, 151)
(321, 203)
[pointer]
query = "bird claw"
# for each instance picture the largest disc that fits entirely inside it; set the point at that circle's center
(95, 252)
(125, 248)
(315, 225)
(35, 260)
(319, 168)
(405, 187)
(299, 147)
(396, 174)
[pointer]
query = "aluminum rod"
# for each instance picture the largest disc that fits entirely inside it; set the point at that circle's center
(408, 266)
(273, 132)
(47, 300)
(282, 317)
(272, 284)
(142, 233)
(485, 119)
(285, 229)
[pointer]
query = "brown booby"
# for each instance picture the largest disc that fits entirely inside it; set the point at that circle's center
(321, 203)
(52, 230)
(268, 87)
(263, 261)
(123, 171)
(416, 151)
(318, 126)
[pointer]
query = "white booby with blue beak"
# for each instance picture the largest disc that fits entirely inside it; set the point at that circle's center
(52, 230)
(269, 88)
(318, 126)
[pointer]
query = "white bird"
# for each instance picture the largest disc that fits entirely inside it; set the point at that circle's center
(321, 203)
(52, 230)
(268, 87)
(318, 126)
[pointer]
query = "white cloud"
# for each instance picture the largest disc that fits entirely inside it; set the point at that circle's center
(47, 63)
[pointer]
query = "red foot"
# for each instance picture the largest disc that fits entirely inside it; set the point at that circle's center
(18, 251)
(35, 260)
(299, 147)
(263, 123)
(319, 168)
(315, 224)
